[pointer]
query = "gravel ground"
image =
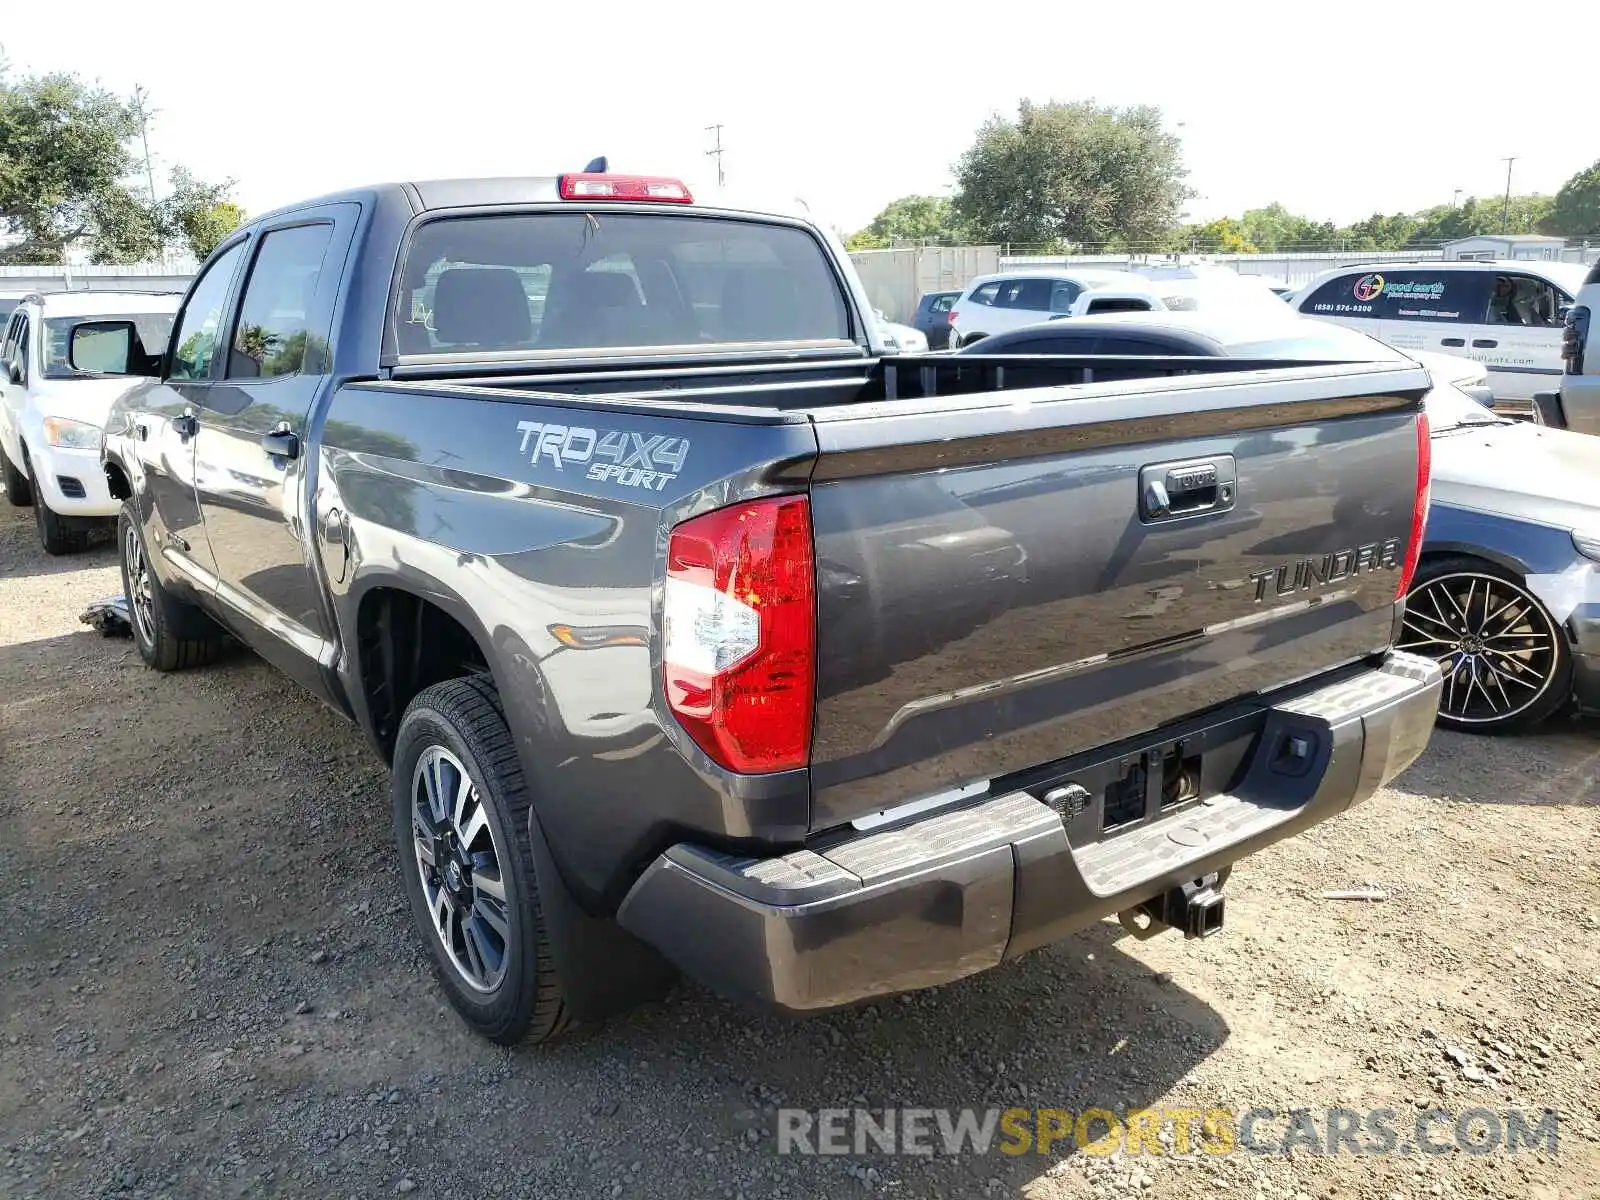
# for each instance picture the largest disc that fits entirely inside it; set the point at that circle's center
(208, 985)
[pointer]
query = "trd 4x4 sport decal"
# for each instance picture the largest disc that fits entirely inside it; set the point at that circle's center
(612, 455)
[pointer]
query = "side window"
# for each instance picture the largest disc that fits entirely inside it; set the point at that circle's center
(988, 295)
(273, 336)
(10, 338)
(1031, 294)
(21, 349)
(1346, 296)
(202, 317)
(1062, 293)
(1449, 296)
(1061, 345)
(942, 304)
(1523, 300)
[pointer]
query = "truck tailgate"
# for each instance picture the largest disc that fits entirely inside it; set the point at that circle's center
(1006, 580)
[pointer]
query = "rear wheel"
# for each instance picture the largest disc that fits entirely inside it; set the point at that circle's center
(19, 492)
(1506, 663)
(169, 634)
(461, 824)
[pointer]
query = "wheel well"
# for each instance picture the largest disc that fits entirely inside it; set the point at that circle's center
(117, 482)
(408, 644)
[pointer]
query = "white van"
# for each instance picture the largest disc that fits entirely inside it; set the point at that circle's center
(1504, 314)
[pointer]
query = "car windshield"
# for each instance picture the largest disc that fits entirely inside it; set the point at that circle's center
(153, 330)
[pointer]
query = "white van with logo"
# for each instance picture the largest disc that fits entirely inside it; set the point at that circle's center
(1506, 314)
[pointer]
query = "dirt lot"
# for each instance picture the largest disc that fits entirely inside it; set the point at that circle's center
(208, 985)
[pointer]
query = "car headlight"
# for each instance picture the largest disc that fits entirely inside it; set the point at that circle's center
(71, 435)
(1587, 542)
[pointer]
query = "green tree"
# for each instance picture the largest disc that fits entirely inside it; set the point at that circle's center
(911, 220)
(1222, 236)
(1575, 211)
(1079, 172)
(199, 214)
(67, 174)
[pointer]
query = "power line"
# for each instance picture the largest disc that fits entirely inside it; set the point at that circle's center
(1505, 209)
(716, 151)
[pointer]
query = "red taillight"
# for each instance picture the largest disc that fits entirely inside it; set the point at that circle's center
(598, 186)
(952, 316)
(739, 633)
(1419, 506)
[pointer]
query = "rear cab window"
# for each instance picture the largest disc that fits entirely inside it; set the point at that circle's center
(537, 281)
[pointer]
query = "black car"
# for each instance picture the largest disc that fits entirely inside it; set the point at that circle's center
(933, 317)
(1507, 595)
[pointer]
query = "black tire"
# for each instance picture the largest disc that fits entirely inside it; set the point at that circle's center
(55, 534)
(169, 634)
(19, 492)
(1494, 638)
(526, 1000)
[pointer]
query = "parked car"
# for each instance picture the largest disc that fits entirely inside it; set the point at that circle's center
(933, 317)
(57, 390)
(993, 304)
(1225, 333)
(1576, 405)
(866, 713)
(1506, 315)
(1218, 291)
(1507, 597)
(901, 338)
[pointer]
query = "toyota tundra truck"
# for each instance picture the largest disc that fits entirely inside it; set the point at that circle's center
(702, 633)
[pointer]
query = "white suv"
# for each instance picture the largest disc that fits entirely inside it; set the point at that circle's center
(58, 386)
(1000, 303)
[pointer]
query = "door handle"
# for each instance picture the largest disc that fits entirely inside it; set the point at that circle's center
(1484, 343)
(1168, 491)
(1452, 341)
(186, 425)
(281, 443)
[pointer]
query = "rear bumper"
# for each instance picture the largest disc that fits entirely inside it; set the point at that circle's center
(962, 890)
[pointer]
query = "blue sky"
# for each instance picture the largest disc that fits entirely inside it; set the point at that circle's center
(846, 105)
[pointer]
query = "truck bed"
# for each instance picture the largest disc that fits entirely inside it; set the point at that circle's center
(990, 597)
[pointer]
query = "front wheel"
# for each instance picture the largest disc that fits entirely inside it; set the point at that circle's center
(1507, 666)
(461, 813)
(19, 492)
(169, 634)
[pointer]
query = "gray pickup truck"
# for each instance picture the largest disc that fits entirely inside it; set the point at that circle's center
(702, 634)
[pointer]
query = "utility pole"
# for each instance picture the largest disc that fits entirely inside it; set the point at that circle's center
(140, 108)
(1455, 201)
(716, 151)
(1505, 210)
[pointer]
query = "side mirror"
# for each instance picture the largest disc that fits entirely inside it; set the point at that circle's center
(108, 348)
(13, 371)
(1562, 310)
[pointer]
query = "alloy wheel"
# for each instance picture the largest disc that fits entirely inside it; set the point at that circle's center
(458, 860)
(1493, 640)
(140, 599)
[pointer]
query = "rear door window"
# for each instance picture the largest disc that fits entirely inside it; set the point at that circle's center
(988, 295)
(574, 281)
(1450, 297)
(1032, 294)
(942, 304)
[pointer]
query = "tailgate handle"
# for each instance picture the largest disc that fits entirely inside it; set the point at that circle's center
(1168, 491)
